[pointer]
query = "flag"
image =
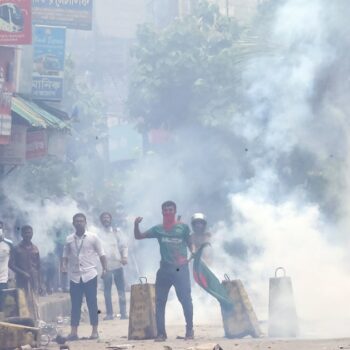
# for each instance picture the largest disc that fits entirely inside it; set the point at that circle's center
(208, 281)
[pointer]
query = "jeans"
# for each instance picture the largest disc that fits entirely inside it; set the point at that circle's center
(179, 277)
(118, 276)
(77, 290)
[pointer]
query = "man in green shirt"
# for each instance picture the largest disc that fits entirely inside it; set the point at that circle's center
(174, 239)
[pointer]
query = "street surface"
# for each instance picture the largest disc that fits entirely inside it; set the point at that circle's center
(113, 334)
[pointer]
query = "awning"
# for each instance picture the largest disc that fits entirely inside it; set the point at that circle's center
(35, 115)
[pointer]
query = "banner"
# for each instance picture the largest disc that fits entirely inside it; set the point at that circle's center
(15, 22)
(48, 63)
(36, 144)
(7, 61)
(73, 14)
(208, 281)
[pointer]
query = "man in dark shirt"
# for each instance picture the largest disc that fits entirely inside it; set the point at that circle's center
(25, 262)
(174, 239)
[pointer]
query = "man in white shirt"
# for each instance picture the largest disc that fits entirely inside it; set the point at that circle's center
(116, 250)
(5, 249)
(80, 251)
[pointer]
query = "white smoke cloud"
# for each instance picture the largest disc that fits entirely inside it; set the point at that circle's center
(293, 235)
(287, 112)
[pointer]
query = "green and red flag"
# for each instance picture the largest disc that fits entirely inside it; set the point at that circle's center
(208, 281)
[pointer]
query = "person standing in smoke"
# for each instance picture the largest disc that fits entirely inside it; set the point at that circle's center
(117, 256)
(5, 249)
(200, 234)
(174, 239)
(80, 252)
(25, 262)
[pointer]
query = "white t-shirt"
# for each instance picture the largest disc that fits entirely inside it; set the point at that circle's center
(5, 248)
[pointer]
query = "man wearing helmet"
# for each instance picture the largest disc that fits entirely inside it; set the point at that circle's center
(200, 235)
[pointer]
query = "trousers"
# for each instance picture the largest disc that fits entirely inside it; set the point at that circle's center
(118, 277)
(77, 291)
(179, 277)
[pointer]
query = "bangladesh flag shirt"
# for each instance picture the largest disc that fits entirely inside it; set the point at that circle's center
(172, 243)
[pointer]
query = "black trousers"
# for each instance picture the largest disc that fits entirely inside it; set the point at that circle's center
(179, 277)
(77, 290)
(118, 277)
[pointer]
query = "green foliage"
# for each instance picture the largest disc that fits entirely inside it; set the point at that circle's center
(87, 104)
(189, 71)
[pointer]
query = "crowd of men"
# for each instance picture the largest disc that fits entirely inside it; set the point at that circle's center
(83, 251)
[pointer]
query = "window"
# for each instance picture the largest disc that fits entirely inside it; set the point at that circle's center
(4, 13)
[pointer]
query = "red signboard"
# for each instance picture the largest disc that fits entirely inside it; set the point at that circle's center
(7, 61)
(15, 22)
(14, 153)
(158, 136)
(36, 144)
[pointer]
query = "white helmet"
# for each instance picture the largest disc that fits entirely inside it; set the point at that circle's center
(198, 217)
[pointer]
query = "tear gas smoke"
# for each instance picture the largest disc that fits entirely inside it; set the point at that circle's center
(274, 184)
(288, 201)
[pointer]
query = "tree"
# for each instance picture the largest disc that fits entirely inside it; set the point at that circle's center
(190, 70)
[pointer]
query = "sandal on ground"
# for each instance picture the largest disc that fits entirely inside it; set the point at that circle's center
(189, 335)
(160, 338)
(93, 337)
(72, 337)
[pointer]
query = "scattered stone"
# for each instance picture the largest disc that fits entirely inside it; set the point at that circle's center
(208, 346)
(120, 347)
(217, 347)
(26, 347)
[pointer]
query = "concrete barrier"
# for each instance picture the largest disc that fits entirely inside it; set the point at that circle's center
(53, 306)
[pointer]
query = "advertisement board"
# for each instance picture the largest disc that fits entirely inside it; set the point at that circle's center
(48, 63)
(15, 22)
(7, 61)
(73, 14)
(36, 144)
(14, 153)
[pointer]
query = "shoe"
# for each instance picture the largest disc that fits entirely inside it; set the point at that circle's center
(160, 338)
(93, 336)
(108, 318)
(72, 337)
(124, 317)
(189, 335)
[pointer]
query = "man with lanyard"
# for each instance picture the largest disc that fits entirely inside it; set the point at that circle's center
(80, 251)
(174, 239)
(117, 256)
(5, 248)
